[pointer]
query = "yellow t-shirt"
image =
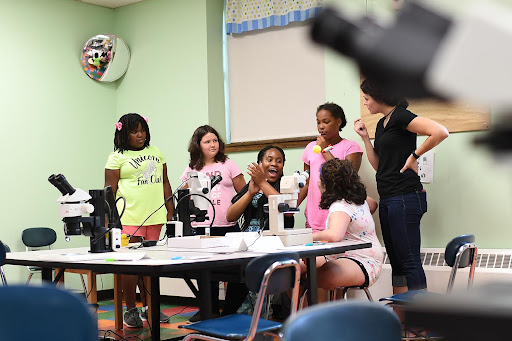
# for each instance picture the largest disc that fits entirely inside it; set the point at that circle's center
(141, 184)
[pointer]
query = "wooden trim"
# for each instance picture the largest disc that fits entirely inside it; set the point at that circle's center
(294, 142)
(455, 116)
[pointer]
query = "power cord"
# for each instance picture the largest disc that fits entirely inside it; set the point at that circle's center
(199, 195)
(260, 233)
(120, 337)
(138, 228)
(117, 223)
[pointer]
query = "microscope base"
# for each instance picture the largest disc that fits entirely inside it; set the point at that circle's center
(292, 237)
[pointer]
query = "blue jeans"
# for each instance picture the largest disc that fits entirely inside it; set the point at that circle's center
(400, 223)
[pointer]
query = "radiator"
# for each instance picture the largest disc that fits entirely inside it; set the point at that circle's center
(492, 265)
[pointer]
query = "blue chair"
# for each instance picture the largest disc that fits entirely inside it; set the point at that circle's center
(344, 321)
(42, 238)
(45, 313)
(460, 252)
(37, 238)
(266, 275)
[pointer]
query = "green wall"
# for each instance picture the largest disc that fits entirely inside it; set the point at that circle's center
(168, 75)
(55, 117)
(60, 121)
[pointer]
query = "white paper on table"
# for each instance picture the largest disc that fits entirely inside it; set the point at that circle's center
(254, 241)
(240, 240)
(266, 243)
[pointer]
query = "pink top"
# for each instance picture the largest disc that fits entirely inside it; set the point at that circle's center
(315, 217)
(222, 193)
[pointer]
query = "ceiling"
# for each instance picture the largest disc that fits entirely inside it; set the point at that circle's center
(110, 3)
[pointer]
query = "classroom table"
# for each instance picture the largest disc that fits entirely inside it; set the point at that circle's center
(204, 265)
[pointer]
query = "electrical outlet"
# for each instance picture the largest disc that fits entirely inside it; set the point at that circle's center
(426, 167)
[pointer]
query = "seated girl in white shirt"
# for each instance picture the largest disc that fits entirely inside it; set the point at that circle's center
(350, 218)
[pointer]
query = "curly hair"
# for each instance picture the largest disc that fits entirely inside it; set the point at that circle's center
(194, 147)
(336, 111)
(130, 122)
(341, 181)
(378, 92)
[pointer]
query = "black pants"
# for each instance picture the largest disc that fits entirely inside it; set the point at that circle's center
(236, 292)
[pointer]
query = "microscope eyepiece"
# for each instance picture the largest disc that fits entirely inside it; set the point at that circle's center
(60, 182)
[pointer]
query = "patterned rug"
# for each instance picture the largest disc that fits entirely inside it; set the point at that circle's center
(179, 315)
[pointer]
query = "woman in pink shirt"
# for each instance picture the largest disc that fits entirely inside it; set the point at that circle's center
(330, 119)
(206, 150)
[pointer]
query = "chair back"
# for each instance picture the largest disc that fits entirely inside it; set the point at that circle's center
(453, 248)
(282, 277)
(35, 237)
(3, 251)
(272, 274)
(45, 313)
(344, 321)
(461, 252)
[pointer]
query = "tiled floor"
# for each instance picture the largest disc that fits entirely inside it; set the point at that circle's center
(180, 314)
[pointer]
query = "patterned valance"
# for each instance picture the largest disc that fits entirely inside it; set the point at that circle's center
(249, 15)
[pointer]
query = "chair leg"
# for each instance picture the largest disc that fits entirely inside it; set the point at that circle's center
(332, 294)
(368, 295)
(83, 285)
(29, 277)
(302, 298)
(344, 293)
(268, 303)
(2, 274)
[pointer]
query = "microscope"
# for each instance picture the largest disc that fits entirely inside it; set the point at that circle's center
(75, 202)
(424, 53)
(286, 202)
(187, 211)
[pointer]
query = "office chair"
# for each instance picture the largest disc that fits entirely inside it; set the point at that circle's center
(266, 275)
(3, 250)
(344, 321)
(460, 252)
(45, 313)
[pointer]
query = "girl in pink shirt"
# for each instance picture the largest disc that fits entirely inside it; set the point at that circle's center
(206, 150)
(330, 119)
